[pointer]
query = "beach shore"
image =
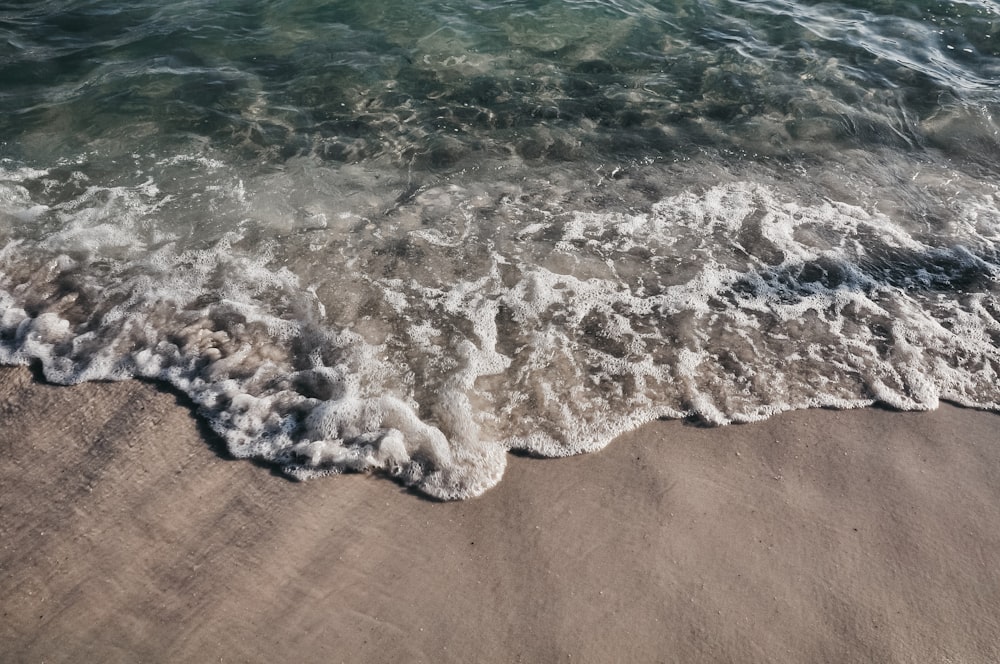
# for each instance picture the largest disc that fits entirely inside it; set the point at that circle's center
(126, 535)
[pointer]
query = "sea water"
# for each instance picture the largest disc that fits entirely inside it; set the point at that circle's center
(411, 236)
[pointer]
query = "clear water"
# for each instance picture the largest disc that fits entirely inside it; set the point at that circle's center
(410, 237)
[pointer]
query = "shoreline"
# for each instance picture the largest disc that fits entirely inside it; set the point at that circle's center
(862, 535)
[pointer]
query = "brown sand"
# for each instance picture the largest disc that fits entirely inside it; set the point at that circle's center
(864, 536)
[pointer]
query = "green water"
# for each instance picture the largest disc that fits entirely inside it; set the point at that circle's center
(408, 237)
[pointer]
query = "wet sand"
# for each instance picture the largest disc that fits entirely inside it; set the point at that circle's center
(869, 535)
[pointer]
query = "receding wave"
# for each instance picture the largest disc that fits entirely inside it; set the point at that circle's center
(426, 333)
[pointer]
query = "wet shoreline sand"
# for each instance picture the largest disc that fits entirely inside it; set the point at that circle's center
(867, 535)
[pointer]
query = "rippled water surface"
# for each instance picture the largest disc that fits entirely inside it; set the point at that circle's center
(409, 237)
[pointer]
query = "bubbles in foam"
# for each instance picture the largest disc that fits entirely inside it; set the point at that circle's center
(424, 334)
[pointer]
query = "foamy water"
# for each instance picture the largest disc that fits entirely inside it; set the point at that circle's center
(411, 239)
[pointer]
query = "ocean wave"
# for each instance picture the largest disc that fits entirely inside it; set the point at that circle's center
(423, 332)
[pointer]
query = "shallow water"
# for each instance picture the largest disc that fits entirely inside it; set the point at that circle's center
(411, 237)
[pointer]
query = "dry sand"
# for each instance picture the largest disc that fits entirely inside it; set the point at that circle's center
(863, 536)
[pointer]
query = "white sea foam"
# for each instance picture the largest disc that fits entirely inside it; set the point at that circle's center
(423, 335)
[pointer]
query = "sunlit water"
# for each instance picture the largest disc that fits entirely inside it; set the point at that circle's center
(413, 236)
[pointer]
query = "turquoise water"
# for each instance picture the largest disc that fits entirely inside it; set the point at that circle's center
(409, 237)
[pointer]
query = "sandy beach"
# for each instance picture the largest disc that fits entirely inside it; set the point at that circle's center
(863, 536)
